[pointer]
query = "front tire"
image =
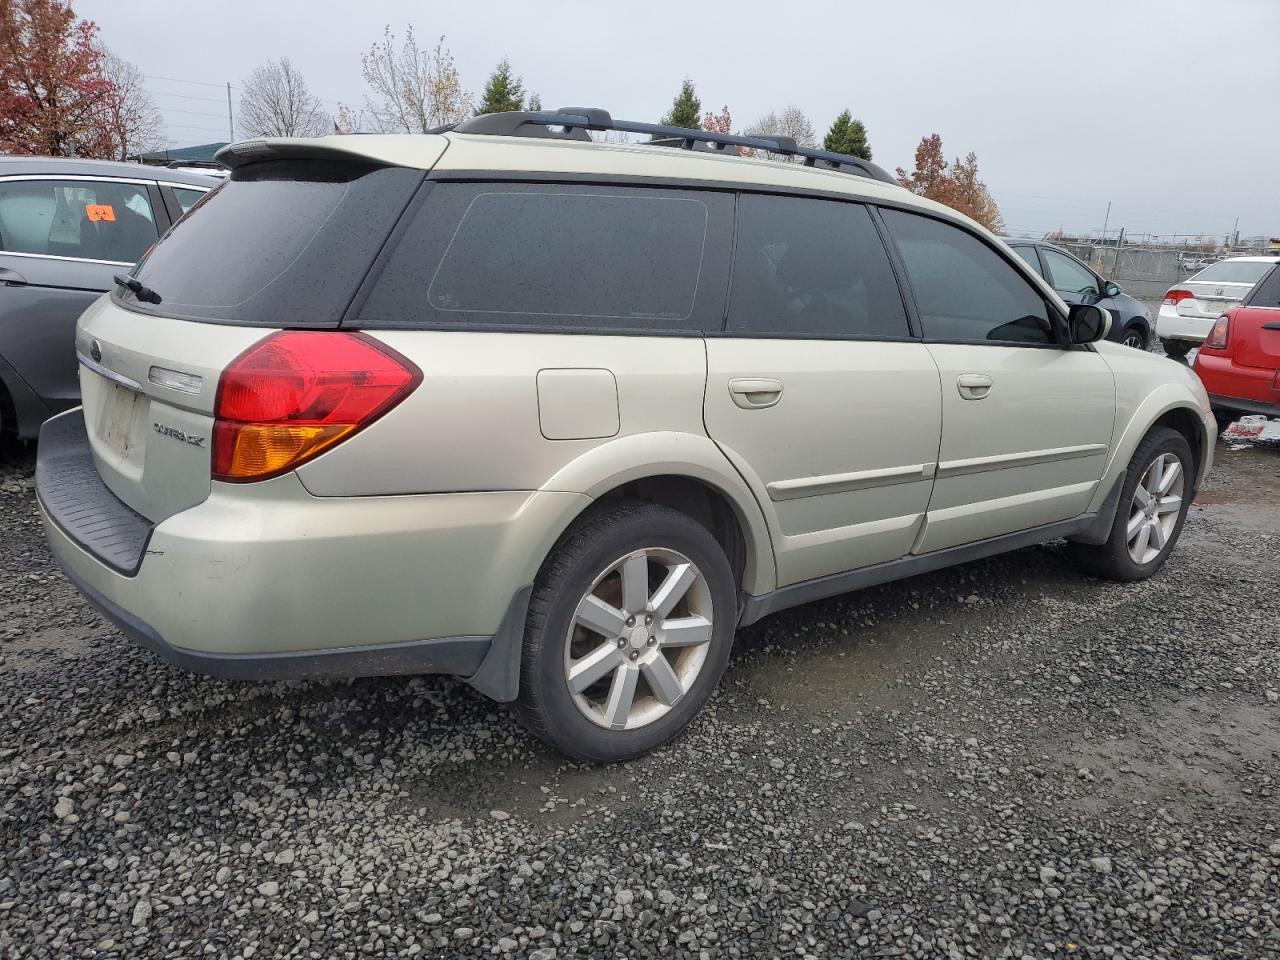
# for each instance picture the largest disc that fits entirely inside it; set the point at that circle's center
(1134, 336)
(630, 625)
(1153, 506)
(1176, 349)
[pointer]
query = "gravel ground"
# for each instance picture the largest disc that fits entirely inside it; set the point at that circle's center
(1005, 759)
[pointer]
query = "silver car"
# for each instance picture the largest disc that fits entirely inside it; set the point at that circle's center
(558, 417)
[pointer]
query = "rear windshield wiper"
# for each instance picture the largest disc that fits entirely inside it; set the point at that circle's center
(140, 290)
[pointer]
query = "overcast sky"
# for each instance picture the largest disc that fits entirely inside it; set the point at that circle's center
(1170, 109)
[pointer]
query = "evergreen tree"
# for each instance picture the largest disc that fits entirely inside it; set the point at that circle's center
(502, 92)
(847, 136)
(686, 109)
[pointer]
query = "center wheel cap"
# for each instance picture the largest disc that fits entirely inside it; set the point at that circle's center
(639, 637)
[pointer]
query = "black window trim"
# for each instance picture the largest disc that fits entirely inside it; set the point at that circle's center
(1035, 250)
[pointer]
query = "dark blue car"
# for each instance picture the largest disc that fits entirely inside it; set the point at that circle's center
(1076, 282)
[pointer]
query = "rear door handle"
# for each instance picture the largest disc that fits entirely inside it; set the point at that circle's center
(755, 393)
(974, 386)
(12, 277)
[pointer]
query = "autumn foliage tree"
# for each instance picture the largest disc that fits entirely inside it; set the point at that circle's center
(412, 90)
(956, 184)
(52, 81)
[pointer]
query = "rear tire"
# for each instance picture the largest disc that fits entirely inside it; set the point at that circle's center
(1176, 349)
(1143, 535)
(612, 666)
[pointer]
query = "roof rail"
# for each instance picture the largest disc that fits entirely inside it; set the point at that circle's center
(575, 122)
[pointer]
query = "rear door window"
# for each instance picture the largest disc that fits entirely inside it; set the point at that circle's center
(557, 257)
(1267, 292)
(1029, 255)
(963, 289)
(104, 220)
(281, 243)
(812, 268)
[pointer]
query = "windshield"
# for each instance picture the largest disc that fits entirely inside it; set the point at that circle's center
(1234, 271)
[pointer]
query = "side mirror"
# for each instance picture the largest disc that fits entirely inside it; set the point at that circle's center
(1111, 289)
(1087, 323)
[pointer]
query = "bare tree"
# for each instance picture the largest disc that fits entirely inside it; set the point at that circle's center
(412, 90)
(129, 116)
(277, 103)
(790, 123)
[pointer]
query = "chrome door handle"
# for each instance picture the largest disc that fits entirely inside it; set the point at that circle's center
(755, 393)
(974, 386)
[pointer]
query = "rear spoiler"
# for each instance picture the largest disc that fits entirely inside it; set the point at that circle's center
(392, 150)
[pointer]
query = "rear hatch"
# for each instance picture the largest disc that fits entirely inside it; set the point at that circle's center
(1220, 286)
(284, 243)
(1255, 337)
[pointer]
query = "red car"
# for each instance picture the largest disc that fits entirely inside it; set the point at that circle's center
(1239, 362)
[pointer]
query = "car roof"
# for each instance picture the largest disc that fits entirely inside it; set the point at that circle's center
(1265, 258)
(76, 167)
(488, 154)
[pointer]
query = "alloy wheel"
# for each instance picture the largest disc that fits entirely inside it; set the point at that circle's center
(1133, 339)
(639, 638)
(1154, 510)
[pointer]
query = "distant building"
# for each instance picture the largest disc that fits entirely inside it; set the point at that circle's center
(161, 158)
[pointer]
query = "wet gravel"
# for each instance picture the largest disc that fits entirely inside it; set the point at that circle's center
(1003, 760)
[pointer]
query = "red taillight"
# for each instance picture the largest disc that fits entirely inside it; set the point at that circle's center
(1175, 297)
(297, 393)
(1217, 339)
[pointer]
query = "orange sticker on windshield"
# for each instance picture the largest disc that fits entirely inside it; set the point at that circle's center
(100, 211)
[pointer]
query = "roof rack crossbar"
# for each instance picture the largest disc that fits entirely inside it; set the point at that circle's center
(575, 121)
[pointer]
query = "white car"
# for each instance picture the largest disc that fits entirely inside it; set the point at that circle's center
(1191, 307)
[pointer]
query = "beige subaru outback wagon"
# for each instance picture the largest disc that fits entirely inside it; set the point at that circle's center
(559, 416)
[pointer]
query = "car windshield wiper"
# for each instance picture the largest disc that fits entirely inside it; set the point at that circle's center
(140, 290)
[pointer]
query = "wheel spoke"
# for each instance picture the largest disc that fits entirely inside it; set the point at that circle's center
(686, 631)
(1169, 505)
(635, 583)
(1158, 534)
(1141, 496)
(621, 693)
(1173, 469)
(679, 579)
(596, 664)
(662, 680)
(1151, 480)
(1140, 542)
(599, 617)
(1135, 523)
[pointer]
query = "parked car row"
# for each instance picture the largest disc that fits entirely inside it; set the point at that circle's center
(559, 417)
(1191, 308)
(66, 228)
(1239, 361)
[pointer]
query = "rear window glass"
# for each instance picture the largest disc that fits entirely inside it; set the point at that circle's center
(565, 257)
(1266, 293)
(282, 243)
(1233, 271)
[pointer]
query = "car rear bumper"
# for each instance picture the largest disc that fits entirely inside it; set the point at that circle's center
(266, 581)
(1232, 386)
(1171, 325)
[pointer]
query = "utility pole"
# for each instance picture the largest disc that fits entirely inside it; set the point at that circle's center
(1106, 221)
(231, 123)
